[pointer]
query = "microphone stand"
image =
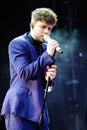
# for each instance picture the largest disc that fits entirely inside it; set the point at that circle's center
(45, 96)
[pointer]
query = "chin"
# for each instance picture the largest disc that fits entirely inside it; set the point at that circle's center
(41, 40)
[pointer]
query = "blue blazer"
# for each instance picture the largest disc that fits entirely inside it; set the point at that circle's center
(25, 96)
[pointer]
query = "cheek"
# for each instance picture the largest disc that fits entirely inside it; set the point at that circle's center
(38, 31)
(35, 31)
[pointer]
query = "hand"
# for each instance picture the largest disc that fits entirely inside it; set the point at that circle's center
(51, 46)
(51, 72)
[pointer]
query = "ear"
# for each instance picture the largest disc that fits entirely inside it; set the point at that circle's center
(31, 26)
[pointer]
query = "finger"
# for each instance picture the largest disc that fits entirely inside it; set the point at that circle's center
(54, 66)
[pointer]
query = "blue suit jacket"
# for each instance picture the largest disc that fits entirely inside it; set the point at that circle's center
(26, 93)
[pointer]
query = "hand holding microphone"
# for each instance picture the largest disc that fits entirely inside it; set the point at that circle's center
(51, 72)
(52, 45)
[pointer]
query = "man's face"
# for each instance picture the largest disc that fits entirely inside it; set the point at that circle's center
(39, 29)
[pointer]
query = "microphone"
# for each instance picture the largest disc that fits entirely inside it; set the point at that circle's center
(58, 49)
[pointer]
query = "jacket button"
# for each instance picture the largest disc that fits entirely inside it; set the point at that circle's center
(29, 93)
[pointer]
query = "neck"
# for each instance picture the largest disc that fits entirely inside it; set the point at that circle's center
(32, 35)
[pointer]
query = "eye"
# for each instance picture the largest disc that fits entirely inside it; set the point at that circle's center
(49, 28)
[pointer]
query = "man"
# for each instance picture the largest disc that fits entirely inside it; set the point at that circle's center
(31, 64)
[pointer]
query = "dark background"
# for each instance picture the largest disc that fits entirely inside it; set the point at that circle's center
(68, 102)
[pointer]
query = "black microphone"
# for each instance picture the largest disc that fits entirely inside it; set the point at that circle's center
(58, 49)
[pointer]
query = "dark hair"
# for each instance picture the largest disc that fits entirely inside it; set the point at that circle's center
(44, 13)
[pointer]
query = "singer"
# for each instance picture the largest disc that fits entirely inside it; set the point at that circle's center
(29, 59)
